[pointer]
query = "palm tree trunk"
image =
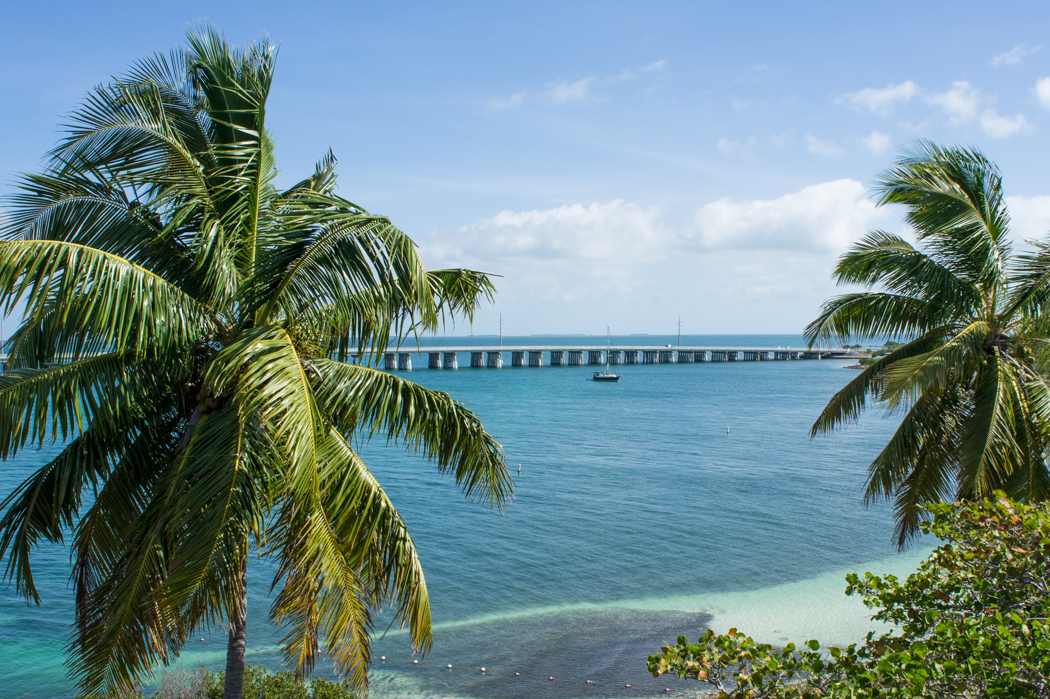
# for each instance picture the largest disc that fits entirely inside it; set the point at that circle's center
(234, 687)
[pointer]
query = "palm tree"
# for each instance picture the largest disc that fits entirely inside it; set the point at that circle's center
(975, 407)
(186, 331)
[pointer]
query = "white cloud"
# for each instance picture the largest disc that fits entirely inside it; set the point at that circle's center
(1014, 56)
(881, 100)
(998, 126)
(564, 92)
(754, 263)
(573, 231)
(877, 142)
(1029, 217)
(959, 103)
(515, 100)
(655, 65)
(818, 146)
(1042, 92)
(822, 217)
(962, 103)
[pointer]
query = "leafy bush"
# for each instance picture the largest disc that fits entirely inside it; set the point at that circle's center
(181, 683)
(259, 683)
(970, 622)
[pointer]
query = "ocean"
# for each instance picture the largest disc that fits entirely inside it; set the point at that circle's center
(680, 498)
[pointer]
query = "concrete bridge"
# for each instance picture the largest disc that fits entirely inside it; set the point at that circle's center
(531, 356)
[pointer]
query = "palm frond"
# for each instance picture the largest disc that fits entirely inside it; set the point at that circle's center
(891, 261)
(988, 452)
(846, 405)
(872, 314)
(103, 392)
(954, 201)
(951, 362)
(377, 539)
(128, 306)
(426, 421)
(47, 504)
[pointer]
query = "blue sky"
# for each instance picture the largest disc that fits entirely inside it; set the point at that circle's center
(618, 163)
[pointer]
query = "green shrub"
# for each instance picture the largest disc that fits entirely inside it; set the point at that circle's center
(972, 621)
(259, 683)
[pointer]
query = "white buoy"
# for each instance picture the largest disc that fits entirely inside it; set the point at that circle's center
(551, 679)
(483, 669)
(517, 674)
(449, 666)
(202, 639)
(383, 658)
(415, 662)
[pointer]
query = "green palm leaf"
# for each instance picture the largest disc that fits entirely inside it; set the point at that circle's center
(430, 422)
(976, 415)
(180, 316)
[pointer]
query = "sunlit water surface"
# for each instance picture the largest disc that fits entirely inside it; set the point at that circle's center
(680, 498)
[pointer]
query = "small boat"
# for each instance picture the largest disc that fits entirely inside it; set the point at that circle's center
(606, 375)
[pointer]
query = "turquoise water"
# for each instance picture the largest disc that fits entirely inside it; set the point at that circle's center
(636, 518)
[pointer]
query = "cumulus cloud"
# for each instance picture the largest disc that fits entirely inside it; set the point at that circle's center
(959, 103)
(572, 231)
(571, 264)
(1042, 92)
(999, 126)
(877, 142)
(822, 217)
(819, 146)
(881, 100)
(1029, 217)
(565, 92)
(1014, 56)
(962, 103)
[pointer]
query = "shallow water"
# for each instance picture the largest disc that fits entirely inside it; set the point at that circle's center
(636, 518)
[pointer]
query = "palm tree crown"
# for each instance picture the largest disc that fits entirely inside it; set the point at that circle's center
(976, 410)
(186, 329)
